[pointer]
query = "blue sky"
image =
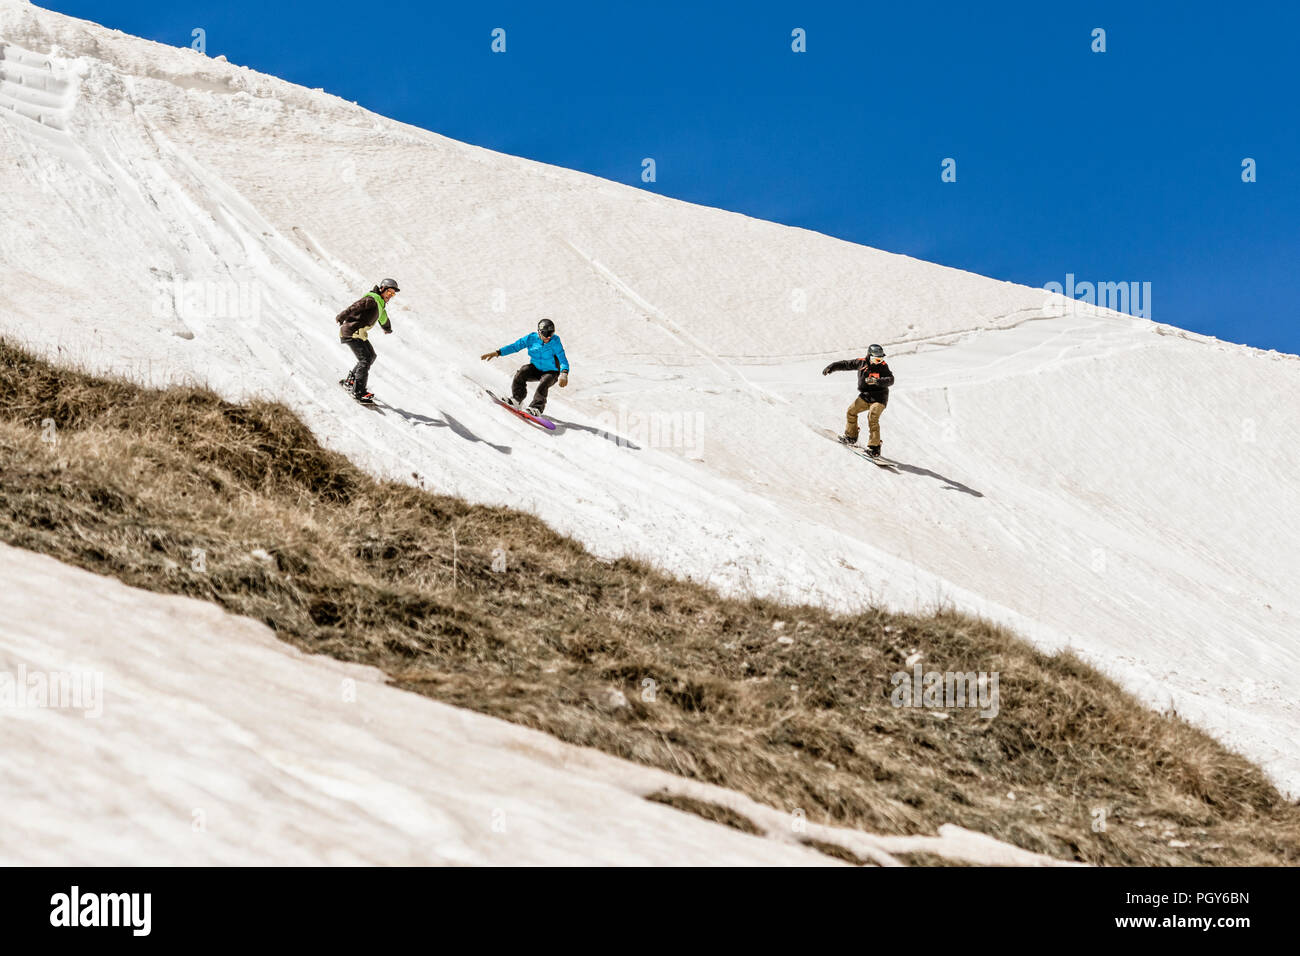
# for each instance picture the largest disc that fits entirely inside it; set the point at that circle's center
(1116, 166)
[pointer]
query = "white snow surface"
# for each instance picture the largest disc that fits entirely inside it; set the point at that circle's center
(1096, 481)
(199, 738)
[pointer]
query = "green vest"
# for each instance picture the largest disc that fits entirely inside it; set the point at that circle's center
(379, 301)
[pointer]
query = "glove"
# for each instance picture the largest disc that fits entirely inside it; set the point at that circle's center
(564, 379)
(826, 370)
(874, 376)
(489, 356)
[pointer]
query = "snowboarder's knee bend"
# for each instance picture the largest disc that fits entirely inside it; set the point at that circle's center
(519, 385)
(851, 419)
(362, 350)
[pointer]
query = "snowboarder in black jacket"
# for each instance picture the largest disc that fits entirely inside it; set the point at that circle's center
(874, 379)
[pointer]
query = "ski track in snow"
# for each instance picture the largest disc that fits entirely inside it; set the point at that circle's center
(1053, 469)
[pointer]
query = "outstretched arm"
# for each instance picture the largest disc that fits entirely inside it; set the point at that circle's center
(514, 346)
(845, 365)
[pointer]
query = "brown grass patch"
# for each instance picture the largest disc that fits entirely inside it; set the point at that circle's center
(838, 852)
(709, 811)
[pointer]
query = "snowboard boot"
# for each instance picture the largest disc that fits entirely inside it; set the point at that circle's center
(873, 451)
(535, 411)
(347, 383)
(366, 399)
(846, 440)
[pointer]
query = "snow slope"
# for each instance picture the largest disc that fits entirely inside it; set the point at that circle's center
(1056, 472)
(200, 738)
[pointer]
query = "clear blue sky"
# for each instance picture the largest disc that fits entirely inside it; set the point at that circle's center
(1115, 166)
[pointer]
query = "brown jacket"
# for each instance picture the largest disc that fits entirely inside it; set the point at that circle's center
(356, 321)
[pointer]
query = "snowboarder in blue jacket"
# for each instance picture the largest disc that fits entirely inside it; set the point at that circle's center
(547, 364)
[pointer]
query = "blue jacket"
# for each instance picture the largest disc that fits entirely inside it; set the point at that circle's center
(548, 356)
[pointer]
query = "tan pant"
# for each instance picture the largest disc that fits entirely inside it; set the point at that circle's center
(873, 410)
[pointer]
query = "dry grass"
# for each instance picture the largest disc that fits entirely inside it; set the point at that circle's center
(563, 642)
(839, 853)
(709, 811)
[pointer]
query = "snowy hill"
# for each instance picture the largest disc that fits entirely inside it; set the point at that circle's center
(173, 217)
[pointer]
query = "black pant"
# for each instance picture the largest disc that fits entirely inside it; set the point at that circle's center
(365, 353)
(531, 373)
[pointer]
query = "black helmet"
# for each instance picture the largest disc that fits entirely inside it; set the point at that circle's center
(876, 350)
(546, 327)
(389, 284)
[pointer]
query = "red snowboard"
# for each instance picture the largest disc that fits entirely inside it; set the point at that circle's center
(535, 419)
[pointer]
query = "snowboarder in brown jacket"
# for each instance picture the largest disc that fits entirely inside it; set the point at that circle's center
(874, 379)
(355, 323)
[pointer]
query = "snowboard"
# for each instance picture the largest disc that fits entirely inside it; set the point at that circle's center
(348, 388)
(535, 419)
(884, 463)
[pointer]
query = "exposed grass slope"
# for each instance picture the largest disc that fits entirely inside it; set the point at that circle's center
(138, 483)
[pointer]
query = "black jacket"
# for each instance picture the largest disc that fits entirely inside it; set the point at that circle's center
(871, 389)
